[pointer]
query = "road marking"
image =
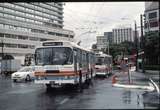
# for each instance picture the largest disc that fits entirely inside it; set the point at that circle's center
(150, 88)
(155, 85)
(64, 100)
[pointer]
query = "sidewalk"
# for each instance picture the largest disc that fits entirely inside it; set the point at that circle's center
(150, 71)
(135, 78)
(139, 79)
(155, 75)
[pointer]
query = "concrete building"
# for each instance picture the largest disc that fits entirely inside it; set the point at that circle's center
(109, 36)
(25, 25)
(151, 16)
(122, 34)
(102, 42)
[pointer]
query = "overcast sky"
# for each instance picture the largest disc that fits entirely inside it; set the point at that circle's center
(99, 17)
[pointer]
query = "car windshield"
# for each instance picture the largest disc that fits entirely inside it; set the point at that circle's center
(54, 56)
(26, 69)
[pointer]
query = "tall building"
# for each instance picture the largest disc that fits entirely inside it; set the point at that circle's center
(25, 25)
(102, 42)
(109, 36)
(151, 16)
(122, 34)
(151, 29)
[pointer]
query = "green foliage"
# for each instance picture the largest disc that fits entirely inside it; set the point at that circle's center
(151, 48)
(125, 48)
(152, 43)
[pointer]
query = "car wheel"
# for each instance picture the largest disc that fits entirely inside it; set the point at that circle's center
(28, 78)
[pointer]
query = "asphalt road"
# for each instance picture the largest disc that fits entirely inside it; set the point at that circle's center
(100, 95)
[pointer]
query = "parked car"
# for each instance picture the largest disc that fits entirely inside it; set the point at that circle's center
(25, 73)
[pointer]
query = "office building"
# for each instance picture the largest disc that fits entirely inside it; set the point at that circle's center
(122, 34)
(151, 16)
(109, 36)
(24, 25)
(102, 42)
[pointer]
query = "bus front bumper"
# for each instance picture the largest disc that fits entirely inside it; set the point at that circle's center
(101, 74)
(59, 82)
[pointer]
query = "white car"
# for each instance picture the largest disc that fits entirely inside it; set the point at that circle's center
(25, 73)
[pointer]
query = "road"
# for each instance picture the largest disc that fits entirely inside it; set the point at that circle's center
(100, 95)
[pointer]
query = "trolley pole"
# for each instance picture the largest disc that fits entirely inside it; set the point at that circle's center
(142, 43)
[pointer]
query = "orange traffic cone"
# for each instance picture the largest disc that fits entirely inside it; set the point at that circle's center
(114, 79)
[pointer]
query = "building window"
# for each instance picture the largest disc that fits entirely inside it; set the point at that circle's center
(11, 45)
(154, 24)
(51, 33)
(37, 31)
(1, 25)
(23, 37)
(34, 38)
(152, 15)
(1, 35)
(22, 46)
(31, 46)
(43, 39)
(7, 36)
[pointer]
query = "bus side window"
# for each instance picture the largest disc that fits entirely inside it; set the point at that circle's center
(80, 58)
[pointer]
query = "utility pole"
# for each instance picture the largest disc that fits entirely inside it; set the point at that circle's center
(2, 48)
(108, 47)
(136, 45)
(142, 43)
(2, 55)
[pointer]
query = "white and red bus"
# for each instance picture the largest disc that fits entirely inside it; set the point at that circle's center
(60, 63)
(103, 65)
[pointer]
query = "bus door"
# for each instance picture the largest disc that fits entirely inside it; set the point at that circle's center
(88, 69)
(75, 60)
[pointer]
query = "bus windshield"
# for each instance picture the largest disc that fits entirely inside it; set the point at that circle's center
(99, 60)
(54, 56)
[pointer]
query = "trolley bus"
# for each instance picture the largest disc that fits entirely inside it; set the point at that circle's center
(103, 65)
(61, 63)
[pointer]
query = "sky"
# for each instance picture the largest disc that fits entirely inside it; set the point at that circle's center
(91, 19)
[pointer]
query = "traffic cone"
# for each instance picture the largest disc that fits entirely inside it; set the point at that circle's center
(114, 79)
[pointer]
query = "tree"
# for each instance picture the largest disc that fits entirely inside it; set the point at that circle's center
(124, 48)
(151, 48)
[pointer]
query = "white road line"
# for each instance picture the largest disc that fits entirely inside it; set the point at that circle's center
(155, 85)
(150, 88)
(64, 100)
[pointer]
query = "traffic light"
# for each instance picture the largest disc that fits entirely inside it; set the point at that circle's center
(144, 17)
